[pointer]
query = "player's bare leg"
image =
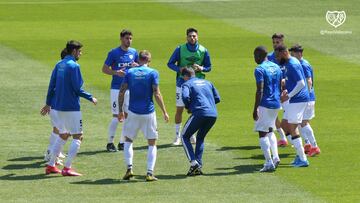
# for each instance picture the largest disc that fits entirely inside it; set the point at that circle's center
(282, 141)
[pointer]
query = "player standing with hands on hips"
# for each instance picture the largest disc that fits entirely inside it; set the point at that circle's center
(66, 86)
(193, 55)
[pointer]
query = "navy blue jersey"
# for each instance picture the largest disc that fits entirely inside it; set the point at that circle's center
(66, 86)
(140, 82)
(200, 96)
(118, 59)
(270, 75)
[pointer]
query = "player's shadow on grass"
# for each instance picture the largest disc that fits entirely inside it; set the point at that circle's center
(162, 146)
(236, 170)
(226, 148)
(37, 164)
(27, 158)
(90, 153)
(261, 157)
(13, 176)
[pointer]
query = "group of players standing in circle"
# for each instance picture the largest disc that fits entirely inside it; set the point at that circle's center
(133, 87)
(284, 80)
(280, 78)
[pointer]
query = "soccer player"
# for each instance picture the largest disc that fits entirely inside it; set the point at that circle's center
(310, 147)
(54, 122)
(278, 39)
(193, 55)
(143, 83)
(298, 95)
(118, 61)
(66, 86)
(267, 104)
(199, 97)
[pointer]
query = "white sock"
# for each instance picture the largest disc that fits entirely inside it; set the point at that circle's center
(290, 139)
(73, 150)
(52, 140)
(57, 148)
(304, 134)
(265, 147)
(178, 130)
(273, 145)
(112, 129)
(151, 158)
(310, 134)
(128, 154)
(299, 149)
(281, 133)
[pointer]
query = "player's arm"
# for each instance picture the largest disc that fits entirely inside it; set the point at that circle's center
(206, 64)
(77, 82)
(160, 101)
(216, 94)
(299, 84)
(107, 67)
(123, 88)
(259, 77)
(174, 59)
(307, 73)
(50, 94)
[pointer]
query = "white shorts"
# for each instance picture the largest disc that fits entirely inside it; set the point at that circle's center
(267, 119)
(144, 122)
(70, 122)
(294, 112)
(309, 111)
(179, 101)
(114, 101)
(54, 118)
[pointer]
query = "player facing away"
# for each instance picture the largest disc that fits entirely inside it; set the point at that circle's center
(54, 122)
(310, 147)
(298, 95)
(143, 84)
(66, 86)
(278, 39)
(200, 98)
(193, 55)
(267, 104)
(118, 61)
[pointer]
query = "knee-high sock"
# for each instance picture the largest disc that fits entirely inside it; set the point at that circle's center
(281, 133)
(299, 148)
(73, 150)
(112, 129)
(151, 158)
(273, 145)
(304, 134)
(57, 148)
(265, 147)
(128, 154)
(178, 130)
(310, 134)
(52, 140)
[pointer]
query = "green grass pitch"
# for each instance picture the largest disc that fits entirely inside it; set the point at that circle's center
(33, 32)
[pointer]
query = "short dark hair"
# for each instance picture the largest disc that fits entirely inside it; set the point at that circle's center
(280, 48)
(125, 32)
(277, 36)
(71, 45)
(189, 30)
(63, 53)
(296, 48)
(261, 50)
(188, 72)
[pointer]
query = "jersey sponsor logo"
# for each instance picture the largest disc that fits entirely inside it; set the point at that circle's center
(199, 82)
(124, 65)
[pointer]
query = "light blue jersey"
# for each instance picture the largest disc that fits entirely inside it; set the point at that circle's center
(308, 72)
(294, 73)
(118, 59)
(270, 74)
(271, 57)
(140, 81)
(66, 86)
